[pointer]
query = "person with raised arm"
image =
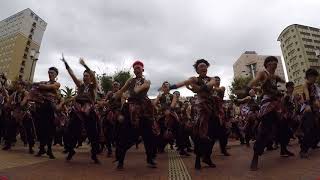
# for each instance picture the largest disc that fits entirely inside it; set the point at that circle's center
(83, 116)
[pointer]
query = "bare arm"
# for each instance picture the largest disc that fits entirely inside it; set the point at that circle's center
(124, 88)
(254, 82)
(92, 75)
(25, 99)
(306, 92)
(54, 86)
(74, 78)
(144, 86)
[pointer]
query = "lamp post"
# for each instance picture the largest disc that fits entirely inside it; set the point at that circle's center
(34, 57)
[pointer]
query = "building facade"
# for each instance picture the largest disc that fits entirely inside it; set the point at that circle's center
(249, 63)
(300, 47)
(20, 39)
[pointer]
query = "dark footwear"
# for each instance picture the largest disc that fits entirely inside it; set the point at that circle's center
(254, 163)
(184, 153)
(31, 151)
(109, 154)
(225, 153)
(95, 159)
(70, 155)
(151, 164)
(197, 164)
(50, 154)
(209, 162)
(120, 166)
(40, 153)
(303, 155)
(6, 148)
(286, 153)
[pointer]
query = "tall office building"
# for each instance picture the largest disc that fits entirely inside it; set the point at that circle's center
(20, 40)
(249, 63)
(300, 47)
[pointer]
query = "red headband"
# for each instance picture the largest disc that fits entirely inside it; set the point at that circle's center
(138, 63)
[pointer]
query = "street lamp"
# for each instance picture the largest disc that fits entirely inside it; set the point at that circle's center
(34, 57)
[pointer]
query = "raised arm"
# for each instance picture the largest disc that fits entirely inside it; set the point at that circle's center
(54, 86)
(74, 78)
(92, 74)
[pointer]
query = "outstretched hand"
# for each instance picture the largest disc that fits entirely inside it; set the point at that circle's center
(81, 61)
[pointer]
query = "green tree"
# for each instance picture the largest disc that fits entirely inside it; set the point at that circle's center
(238, 86)
(68, 92)
(122, 76)
(106, 82)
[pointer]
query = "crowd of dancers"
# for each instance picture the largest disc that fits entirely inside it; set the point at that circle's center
(123, 117)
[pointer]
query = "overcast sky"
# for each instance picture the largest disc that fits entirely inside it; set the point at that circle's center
(167, 35)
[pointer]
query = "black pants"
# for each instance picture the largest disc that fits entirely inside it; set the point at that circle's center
(309, 128)
(266, 131)
(10, 131)
(75, 129)
(235, 129)
(2, 124)
(109, 133)
(203, 146)
(223, 138)
(183, 137)
(28, 128)
(44, 118)
(129, 135)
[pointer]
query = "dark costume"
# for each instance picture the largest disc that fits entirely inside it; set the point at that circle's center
(138, 120)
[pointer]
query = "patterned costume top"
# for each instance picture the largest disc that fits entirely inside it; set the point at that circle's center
(165, 101)
(86, 93)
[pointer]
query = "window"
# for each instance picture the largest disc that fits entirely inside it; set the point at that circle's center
(314, 29)
(306, 40)
(304, 33)
(309, 46)
(26, 49)
(25, 56)
(23, 63)
(30, 36)
(300, 56)
(28, 42)
(34, 24)
(298, 49)
(294, 36)
(313, 60)
(303, 27)
(316, 35)
(316, 41)
(310, 53)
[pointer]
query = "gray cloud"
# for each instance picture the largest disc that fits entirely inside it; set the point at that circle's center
(167, 35)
